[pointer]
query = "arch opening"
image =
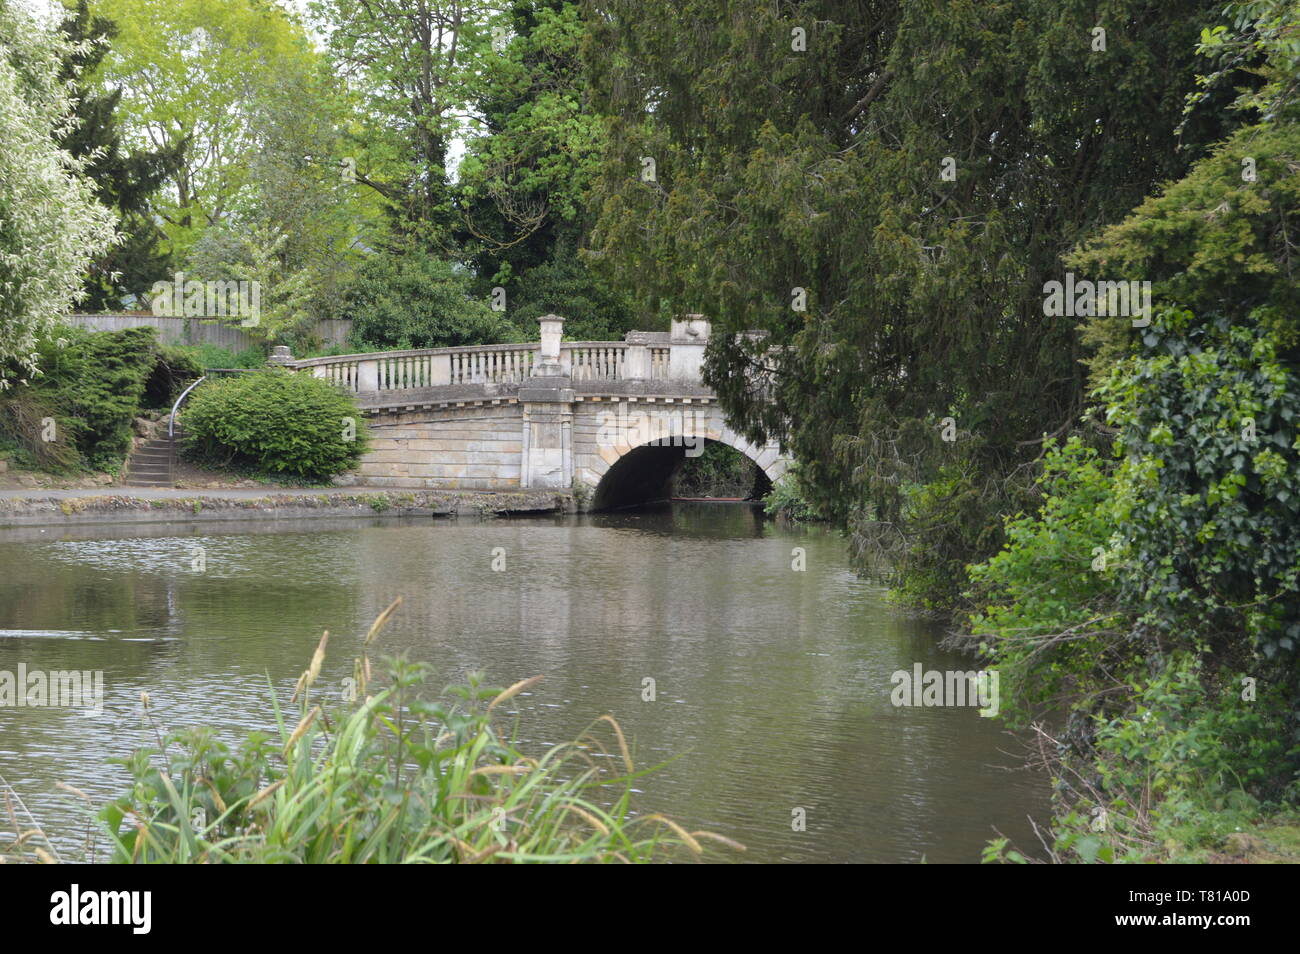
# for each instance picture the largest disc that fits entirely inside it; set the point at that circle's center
(652, 473)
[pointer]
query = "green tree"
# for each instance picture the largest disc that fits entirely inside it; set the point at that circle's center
(53, 226)
(414, 69)
(525, 184)
(405, 297)
(884, 189)
(196, 79)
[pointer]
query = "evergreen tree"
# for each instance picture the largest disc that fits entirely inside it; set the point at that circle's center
(884, 189)
(124, 179)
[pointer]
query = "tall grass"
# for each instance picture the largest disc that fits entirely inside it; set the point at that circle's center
(389, 778)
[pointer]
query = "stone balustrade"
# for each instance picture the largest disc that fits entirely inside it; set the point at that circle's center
(640, 357)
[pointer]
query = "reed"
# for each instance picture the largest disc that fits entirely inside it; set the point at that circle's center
(390, 778)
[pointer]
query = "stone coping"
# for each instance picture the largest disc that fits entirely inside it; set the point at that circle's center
(120, 505)
(530, 346)
(475, 395)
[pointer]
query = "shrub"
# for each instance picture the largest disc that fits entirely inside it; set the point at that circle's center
(1049, 614)
(788, 498)
(275, 422)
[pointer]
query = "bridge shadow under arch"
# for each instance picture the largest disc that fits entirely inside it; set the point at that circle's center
(647, 474)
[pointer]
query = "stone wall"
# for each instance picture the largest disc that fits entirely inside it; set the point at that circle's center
(480, 446)
(469, 448)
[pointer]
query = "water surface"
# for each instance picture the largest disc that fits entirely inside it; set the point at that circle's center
(772, 685)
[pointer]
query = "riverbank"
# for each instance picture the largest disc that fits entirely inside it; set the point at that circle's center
(118, 505)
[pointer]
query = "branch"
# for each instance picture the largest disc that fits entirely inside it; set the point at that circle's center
(876, 88)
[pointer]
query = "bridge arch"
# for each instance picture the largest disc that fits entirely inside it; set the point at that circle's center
(640, 465)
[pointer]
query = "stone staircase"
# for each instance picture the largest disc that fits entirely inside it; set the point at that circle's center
(150, 464)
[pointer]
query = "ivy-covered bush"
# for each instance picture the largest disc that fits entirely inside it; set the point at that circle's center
(1209, 489)
(276, 423)
(1155, 596)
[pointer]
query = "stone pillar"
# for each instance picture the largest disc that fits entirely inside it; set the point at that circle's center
(280, 356)
(439, 370)
(690, 334)
(547, 449)
(548, 360)
(368, 375)
(546, 398)
(636, 357)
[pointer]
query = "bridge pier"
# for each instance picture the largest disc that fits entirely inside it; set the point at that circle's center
(547, 449)
(546, 399)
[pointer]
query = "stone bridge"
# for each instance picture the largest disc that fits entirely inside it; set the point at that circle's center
(614, 417)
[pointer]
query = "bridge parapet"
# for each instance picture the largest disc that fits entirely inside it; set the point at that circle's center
(640, 357)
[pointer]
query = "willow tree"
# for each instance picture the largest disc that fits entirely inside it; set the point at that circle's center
(883, 189)
(51, 224)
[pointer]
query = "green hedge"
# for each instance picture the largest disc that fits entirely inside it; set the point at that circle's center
(274, 422)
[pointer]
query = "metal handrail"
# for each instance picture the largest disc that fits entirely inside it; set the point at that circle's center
(171, 421)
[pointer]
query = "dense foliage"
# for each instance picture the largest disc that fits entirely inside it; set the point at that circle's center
(1155, 593)
(525, 187)
(51, 224)
(276, 423)
(409, 299)
(77, 413)
(885, 189)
